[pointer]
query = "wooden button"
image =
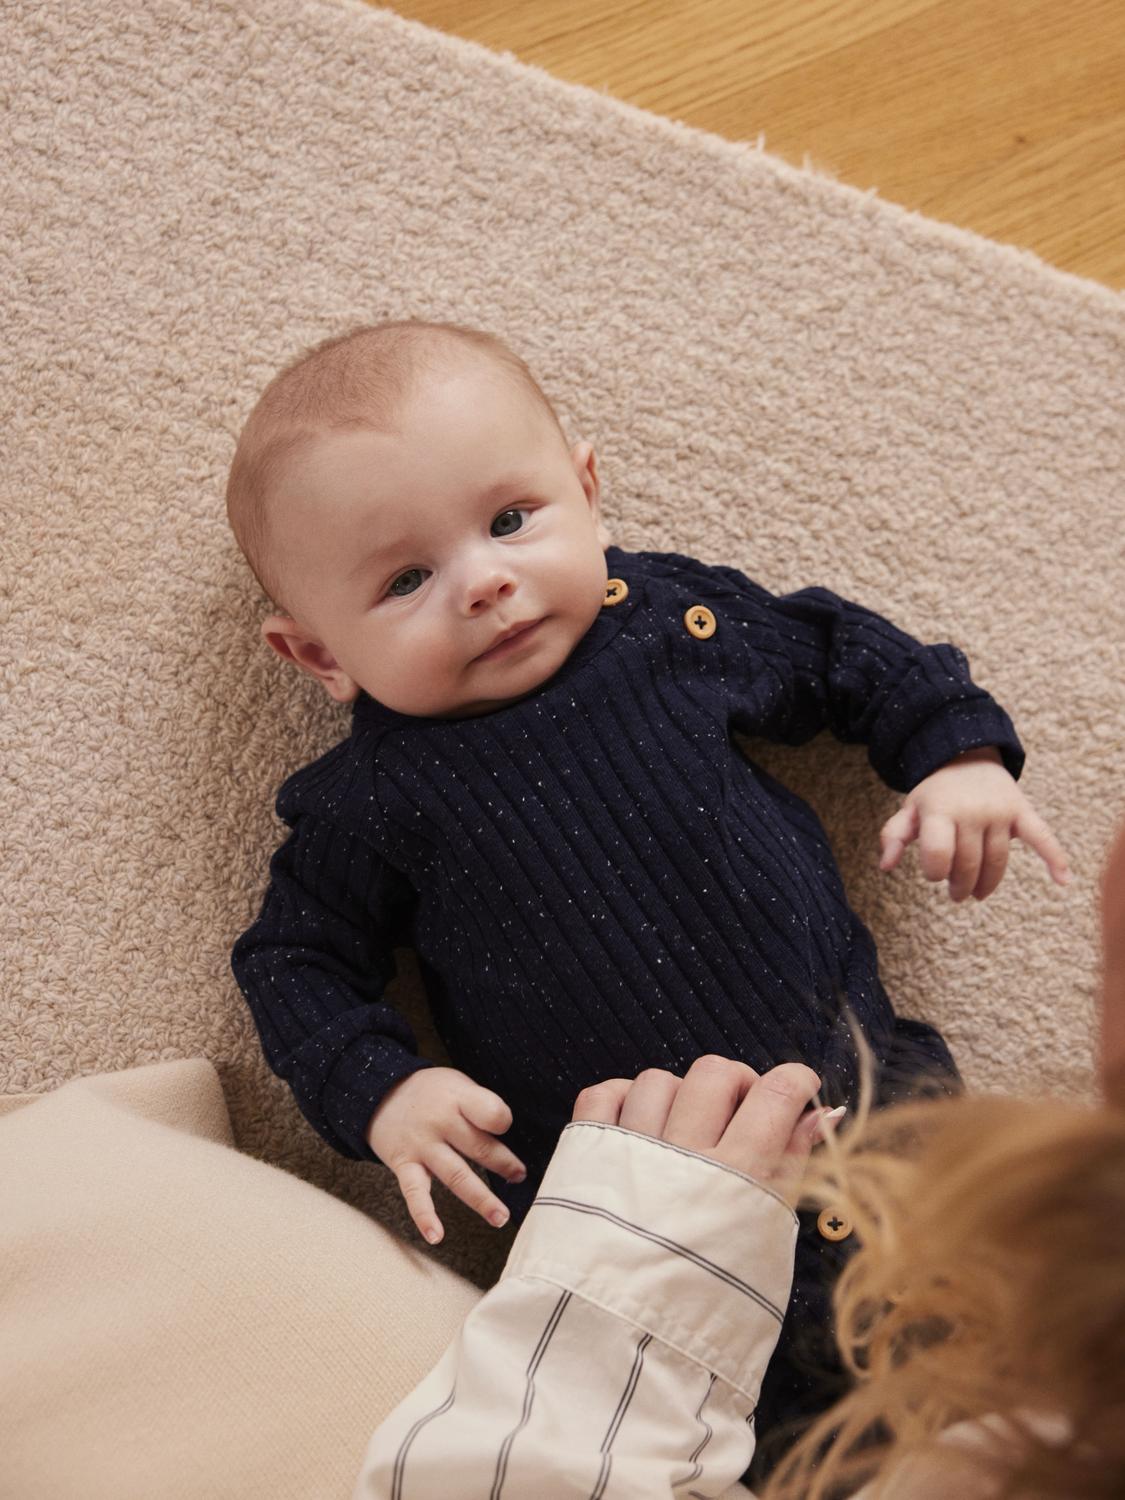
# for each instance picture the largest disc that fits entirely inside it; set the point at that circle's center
(616, 589)
(700, 621)
(833, 1226)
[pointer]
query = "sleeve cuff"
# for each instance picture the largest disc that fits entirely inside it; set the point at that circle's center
(697, 1253)
(957, 728)
(360, 1079)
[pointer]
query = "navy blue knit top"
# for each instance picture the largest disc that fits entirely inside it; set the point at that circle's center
(595, 879)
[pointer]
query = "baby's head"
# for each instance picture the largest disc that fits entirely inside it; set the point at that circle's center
(405, 495)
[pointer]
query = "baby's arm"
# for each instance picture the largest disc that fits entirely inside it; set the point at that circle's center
(964, 816)
(931, 731)
(313, 968)
(844, 668)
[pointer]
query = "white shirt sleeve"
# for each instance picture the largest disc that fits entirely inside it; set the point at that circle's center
(621, 1351)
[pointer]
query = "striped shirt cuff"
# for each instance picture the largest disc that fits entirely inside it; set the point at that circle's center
(643, 1229)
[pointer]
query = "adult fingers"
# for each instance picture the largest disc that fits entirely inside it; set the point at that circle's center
(896, 833)
(649, 1101)
(712, 1089)
(936, 842)
(966, 862)
(479, 1146)
(450, 1167)
(601, 1102)
(814, 1125)
(414, 1184)
(759, 1133)
(1031, 828)
(994, 861)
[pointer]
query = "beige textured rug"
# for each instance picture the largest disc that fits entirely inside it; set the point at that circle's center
(776, 371)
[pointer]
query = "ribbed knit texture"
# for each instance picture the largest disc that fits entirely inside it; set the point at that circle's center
(596, 879)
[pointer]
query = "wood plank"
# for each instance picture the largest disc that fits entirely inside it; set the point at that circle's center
(1007, 118)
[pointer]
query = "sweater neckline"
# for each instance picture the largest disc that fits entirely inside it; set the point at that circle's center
(607, 622)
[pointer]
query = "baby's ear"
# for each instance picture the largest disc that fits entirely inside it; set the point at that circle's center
(292, 644)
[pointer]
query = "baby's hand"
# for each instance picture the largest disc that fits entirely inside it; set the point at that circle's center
(963, 817)
(422, 1124)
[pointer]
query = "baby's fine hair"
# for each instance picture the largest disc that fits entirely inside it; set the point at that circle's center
(352, 381)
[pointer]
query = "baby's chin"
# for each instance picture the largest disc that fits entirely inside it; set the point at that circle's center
(472, 710)
(478, 706)
(516, 687)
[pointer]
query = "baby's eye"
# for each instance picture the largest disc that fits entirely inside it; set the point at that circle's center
(410, 573)
(502, 519)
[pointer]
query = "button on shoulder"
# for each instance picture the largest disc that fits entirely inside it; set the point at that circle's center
(700, 621)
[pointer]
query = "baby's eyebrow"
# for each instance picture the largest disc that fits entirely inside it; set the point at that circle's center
(503, 489)
(371, 558)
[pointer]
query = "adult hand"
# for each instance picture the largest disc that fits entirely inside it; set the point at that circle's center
(722, 1109)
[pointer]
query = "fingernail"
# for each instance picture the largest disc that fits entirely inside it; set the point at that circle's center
(834, 1114)
(518, 1177)
(498, 1217)
(433, 1235)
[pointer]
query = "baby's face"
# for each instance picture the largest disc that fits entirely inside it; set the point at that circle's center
(404, 558)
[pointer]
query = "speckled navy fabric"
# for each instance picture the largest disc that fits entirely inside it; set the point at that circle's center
(595, 879)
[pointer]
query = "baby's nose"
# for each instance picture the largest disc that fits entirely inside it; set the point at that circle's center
(488, 586)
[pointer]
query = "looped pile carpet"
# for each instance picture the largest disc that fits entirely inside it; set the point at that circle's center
(776, 371)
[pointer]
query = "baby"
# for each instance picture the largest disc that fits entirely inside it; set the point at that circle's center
(540, 792)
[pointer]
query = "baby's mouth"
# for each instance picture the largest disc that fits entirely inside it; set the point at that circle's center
(510, 642)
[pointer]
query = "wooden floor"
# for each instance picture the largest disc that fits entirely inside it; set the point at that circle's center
(1003, 116)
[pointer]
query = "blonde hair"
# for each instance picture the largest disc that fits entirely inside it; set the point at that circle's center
(361, 379)
(990, 1281)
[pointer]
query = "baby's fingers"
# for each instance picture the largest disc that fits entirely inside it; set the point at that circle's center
(414, 1184)
(484, 1109)
(477, 1145)
(993, 862)
(452, 1169)
(936, 844)
(896, 833)
(1031, 828)
(967, 857)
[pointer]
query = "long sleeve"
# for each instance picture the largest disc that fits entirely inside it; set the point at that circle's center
(621, 1352)
(313, 968)
(844, 668)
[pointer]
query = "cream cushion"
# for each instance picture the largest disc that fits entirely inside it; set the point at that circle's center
(181, 1320)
